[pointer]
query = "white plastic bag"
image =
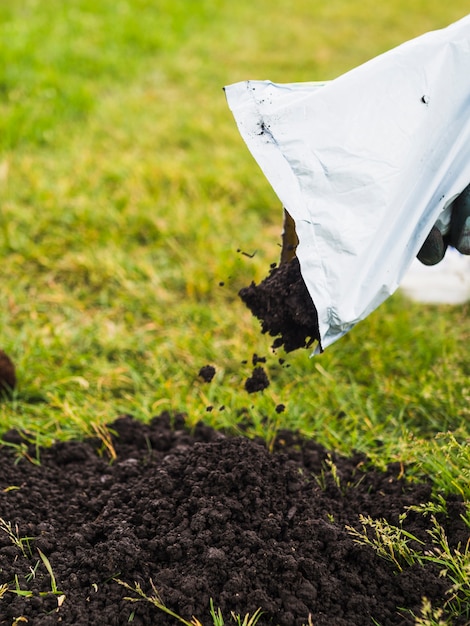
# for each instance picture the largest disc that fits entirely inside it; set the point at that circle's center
(365, 164)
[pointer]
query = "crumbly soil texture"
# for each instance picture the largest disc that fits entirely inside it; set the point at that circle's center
(284, 307)
(201, 515)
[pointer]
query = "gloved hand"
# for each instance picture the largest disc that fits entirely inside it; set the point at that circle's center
(456, 233)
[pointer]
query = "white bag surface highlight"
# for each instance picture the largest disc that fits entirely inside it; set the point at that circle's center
(448, 282)
(365, 164)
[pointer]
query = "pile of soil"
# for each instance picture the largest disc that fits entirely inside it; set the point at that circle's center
(205, 515)
(284, 306)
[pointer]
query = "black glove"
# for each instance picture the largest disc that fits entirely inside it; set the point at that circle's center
(457, 235)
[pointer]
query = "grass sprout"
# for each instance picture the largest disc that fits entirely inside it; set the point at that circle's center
(48, 566)
(156, 600)
(216, 614)
(22, 543)
(247, 620)
(329, 468)
(455, 564)
(403, 549)
(433, 507)
(32, 572)
(3, 590)
(430, 616)
(390, 542)
(27, 593)
(103, 433)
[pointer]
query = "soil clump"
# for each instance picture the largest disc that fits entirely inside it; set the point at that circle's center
(207, 373)
(284, 307)
(258, 381)
(204, 515)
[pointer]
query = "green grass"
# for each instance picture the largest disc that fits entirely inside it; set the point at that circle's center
(393, 544)
(217, 618)
(127, 197)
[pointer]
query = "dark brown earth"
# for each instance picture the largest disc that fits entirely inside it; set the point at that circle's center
(204, 515)
(7, 374)
(257, 381)
(283, 305)
(207, 373)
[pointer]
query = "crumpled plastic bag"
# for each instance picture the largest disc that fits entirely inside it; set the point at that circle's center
(365, 164)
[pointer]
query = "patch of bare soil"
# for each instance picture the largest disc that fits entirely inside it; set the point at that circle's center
(204, 515)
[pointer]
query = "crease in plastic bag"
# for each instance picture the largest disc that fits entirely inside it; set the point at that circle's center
(365, 164)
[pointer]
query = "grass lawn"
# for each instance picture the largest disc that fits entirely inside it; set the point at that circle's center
(128, 198)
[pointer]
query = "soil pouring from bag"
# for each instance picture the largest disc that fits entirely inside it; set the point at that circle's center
(202, 515)
(283, 305)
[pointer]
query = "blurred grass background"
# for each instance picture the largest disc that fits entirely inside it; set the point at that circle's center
(127, 198)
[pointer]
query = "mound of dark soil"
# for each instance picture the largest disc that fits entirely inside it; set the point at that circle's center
(283, 305)
(204, 516)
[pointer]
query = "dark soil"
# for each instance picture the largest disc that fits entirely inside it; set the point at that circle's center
(207, 373)
(7, 374)
(257, 381)
(203, 516)
(283, 305)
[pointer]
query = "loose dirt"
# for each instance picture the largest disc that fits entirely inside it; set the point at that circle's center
(205, 515)
(257, 381)
(207, 373)
(284, 307)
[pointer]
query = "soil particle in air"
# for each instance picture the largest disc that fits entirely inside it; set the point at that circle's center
(258, 381)
(284, 307)
(206, 516)
(207, 373)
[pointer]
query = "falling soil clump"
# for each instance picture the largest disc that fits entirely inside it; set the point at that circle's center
(202, 515)
(257, 381)
(283, 305)
(207, 373)
(255, 359)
